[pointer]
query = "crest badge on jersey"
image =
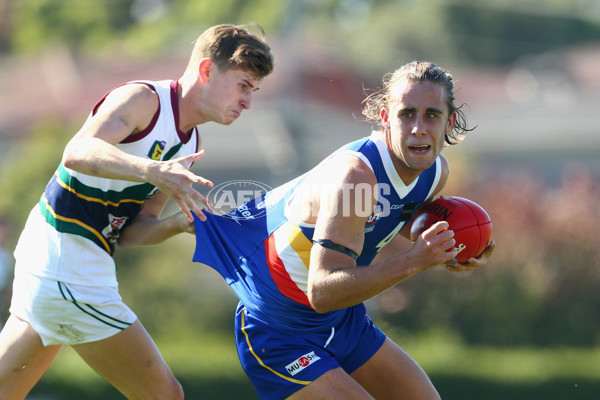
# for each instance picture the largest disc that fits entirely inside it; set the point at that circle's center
(157, 149)
(112, 230)
(375, 215)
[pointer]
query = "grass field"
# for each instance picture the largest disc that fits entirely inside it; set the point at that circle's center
(208, 368)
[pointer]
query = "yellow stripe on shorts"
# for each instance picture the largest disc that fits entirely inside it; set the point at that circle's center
(261, 362)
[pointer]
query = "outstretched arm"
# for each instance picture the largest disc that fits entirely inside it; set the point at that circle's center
(148, 229)
(125, 111)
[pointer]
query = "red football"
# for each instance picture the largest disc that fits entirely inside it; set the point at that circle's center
(469, 221)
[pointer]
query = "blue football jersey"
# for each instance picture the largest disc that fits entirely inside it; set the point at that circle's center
(265, 256)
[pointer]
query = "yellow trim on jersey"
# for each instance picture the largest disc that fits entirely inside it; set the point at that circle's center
(84, 197)
(77, 222)
(261, 362)
(298, 242)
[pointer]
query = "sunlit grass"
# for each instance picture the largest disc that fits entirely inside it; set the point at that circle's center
(443, 354)
(212, 355)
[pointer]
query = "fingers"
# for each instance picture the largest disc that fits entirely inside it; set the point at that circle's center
(174, 179)
(192, 158)
(462, 267)
(482, 259)
(202, 181)
(489, 250)
(189, 204)
(187, 210)
(188, 160)
(188, 200)
(438, 244)
(440, 236)
(474, 263)
(437, 228)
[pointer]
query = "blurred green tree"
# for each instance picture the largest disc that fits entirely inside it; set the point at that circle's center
(27, 168)
(80, 24)
(491, 33)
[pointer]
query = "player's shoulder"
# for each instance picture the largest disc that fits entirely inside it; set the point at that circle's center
(346, 167)
(135, 104)
(136, 100)
(444, 165)
(136, 92)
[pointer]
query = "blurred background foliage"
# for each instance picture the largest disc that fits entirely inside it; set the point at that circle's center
(475, 32)
(540, 291)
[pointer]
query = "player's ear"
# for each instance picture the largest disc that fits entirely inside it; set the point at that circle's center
(385, 117)
(451, 122)
(204, 69)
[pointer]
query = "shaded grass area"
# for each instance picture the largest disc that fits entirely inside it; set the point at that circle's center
(195, 388)
(208, 368)
(449, 387)
(455, 388)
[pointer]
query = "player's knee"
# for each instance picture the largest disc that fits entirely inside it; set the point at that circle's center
(178, 392)
(171, 390)
(429, 392)
(174, 391)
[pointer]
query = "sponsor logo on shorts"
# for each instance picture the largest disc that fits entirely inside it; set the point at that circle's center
(298, 365)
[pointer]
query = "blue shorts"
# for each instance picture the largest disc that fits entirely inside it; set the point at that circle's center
(281, 362)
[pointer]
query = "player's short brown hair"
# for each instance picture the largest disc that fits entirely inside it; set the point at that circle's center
(234, 47)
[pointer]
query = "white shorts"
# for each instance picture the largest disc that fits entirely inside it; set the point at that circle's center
(72, 314)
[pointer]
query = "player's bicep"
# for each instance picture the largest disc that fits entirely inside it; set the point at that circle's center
(125, 110)
(336, 229)
(344, 209)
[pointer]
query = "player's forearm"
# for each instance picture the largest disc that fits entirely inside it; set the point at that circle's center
(346, 287)
(144, 231)
(93, 156)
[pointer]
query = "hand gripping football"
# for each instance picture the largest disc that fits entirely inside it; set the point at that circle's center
(470, 222)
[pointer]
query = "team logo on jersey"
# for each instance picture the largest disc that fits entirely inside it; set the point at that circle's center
(304, 361)
(157, 149)
(373, 218)
(112, 230)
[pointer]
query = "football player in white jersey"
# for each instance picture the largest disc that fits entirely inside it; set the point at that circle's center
(132, 154)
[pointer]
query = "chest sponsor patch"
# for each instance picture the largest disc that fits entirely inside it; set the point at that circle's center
(302, 362)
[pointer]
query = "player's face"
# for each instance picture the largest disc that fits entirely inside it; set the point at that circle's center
(229, 93)
(415, 126)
